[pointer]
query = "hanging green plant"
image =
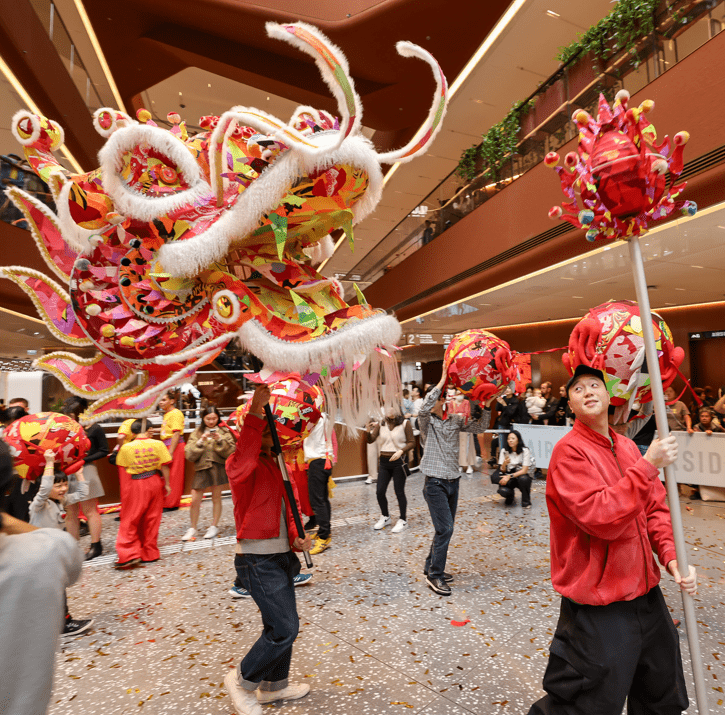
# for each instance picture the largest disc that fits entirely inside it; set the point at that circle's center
(499, 142)
(619, 31)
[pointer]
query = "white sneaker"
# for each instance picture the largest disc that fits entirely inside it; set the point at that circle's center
(190, 534)
(212, 532)
(293, 691)
(369, 480)
(244, 701)
(382, 522)
(469, 470)
(400, 526)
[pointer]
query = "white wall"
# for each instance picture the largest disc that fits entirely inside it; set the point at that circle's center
(23, 384)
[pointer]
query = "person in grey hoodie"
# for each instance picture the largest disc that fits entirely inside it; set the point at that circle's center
(47, 511)
(36, 566)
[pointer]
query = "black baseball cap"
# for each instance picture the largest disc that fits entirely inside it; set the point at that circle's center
(584, 370)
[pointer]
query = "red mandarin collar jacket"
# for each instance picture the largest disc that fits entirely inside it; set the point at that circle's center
(606, 519)
(257, 488)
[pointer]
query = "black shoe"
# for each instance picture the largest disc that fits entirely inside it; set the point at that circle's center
(75, 628)
(124, 566)
(95, 551)
(117, 518)
(171, 508)
(492, 462)
(83, 529)
(509, 501)
(526, 504)
(438, 585)
(447, 577)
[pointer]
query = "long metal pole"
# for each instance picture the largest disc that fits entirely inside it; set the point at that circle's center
(658, 398)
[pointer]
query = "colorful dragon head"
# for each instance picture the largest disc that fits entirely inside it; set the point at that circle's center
(620, 173)
(180, 243)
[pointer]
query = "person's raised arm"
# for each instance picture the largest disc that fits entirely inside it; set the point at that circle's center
(245, 457)
(46, 482)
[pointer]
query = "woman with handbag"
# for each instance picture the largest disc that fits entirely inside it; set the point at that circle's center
(208, 448)
(514, 462)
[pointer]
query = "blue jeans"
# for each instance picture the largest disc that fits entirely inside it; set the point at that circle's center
(442, 498)
(268, 577)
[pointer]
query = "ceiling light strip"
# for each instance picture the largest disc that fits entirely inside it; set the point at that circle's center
(33, 107)
(99, 53)
(492, 36)
(569, 261)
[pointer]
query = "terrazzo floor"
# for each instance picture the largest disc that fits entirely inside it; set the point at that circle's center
(373, 638)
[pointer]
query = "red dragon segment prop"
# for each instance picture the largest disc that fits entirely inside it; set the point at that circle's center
(610, 338)
(620, 171)
(179, 243)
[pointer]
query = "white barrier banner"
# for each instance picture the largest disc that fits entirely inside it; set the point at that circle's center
(540, 439)
(701, 459)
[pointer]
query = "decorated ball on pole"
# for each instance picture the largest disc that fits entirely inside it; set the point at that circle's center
(610, 338)
(619, 172)
(30, 437)
(479, 364)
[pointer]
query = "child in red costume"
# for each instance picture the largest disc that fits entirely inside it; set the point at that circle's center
(144, 460)
(172, 435)
(265, 564)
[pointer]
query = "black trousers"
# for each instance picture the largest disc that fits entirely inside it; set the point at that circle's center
(507, 490)
(317, 478)
(602, 655)
(388, 470)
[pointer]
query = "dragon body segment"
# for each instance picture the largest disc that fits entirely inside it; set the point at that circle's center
(178, 244)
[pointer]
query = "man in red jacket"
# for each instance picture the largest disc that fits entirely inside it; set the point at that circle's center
(265, 564)
(615, 639)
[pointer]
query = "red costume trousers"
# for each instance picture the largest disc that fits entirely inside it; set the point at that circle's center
(143, 503)
(176, 477)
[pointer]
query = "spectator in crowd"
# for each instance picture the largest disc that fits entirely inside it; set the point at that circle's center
(47, 511)
(708, 422)
(513, 471)
(208, 448)
(719, 406)
(74, 407)
(36, 567)
(550, 408)
(22, 492)
(535, 403)
(442, 479)
(372, 451)
(407, 405)
(428, 233)
(459, 405)
(395, 439)
(19, 402)
(508, 405)
(678, 416)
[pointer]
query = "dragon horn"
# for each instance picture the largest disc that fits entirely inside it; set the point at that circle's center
(334, 69)
(425, 135)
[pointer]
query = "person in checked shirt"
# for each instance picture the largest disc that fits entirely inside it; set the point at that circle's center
(442, 478)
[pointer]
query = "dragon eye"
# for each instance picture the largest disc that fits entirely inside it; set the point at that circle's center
(168, 175)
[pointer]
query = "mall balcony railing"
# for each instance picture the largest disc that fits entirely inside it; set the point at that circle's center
(94, 94)
(680, 29)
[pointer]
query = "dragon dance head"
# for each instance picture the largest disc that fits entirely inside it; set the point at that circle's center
(610, 338)
(180, 242)
(620, 173)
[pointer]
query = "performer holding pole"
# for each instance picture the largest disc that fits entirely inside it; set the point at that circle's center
(620, 173)
(264, 562)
